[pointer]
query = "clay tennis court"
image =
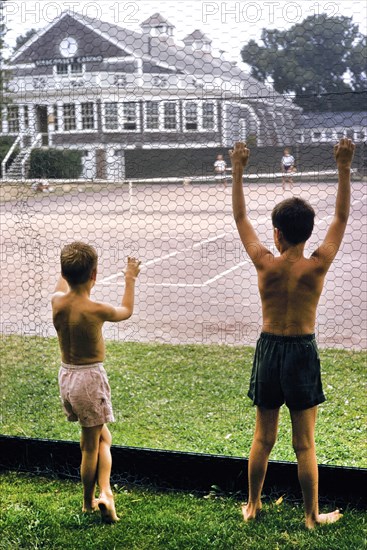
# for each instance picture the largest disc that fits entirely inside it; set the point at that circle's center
(196, 283)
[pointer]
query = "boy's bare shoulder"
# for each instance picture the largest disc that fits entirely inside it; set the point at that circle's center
(282, 265)
(101, 309)
(56, 295)
(57, 299)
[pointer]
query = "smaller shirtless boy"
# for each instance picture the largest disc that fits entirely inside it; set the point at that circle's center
(286, 366)
(84, 389)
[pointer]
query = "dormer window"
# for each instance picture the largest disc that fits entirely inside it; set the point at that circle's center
(198, 41)
(161, 30)
(76, 68)
(69, 69)
(156, 25)
(61, 69)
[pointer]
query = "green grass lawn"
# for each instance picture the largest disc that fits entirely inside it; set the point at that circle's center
(45, 513)
(181, 397)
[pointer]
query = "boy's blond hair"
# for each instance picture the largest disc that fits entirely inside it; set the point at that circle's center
(78, 260)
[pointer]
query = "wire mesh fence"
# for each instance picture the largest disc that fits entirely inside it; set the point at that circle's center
(118, 135)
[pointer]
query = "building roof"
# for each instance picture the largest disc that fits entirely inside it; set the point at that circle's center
(333, 119)
(156, 20)
(163, 51)
(196, 35)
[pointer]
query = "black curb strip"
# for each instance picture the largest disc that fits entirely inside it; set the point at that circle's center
(180, 471)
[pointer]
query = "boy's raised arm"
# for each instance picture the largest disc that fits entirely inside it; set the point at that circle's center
(115, 314)
(326, 253)
(61, 286)
(254, 248)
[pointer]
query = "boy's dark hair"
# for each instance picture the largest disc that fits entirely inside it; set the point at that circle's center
(295, 219)
(78, 260)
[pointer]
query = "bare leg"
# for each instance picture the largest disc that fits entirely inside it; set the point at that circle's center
(106, 502)
(264, 438)
(303, 428)
(89, 445)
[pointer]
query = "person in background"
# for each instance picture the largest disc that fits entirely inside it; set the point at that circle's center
(220, 167)
(287, 168)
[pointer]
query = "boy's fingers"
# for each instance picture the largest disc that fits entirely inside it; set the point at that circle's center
(240, 145)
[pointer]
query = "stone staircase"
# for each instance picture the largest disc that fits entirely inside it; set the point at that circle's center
(18, 169)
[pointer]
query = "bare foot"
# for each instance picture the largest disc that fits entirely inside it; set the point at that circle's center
(91, 507)
(250, 511)
(106, 506)
(323, 519)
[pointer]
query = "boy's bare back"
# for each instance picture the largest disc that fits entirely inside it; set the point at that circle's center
(78, 320)
(289, 291)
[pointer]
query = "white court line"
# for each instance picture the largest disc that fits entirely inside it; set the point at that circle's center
(357, 201)
(261, 219)
(205, 283)
(324, 219)
(224, 273)
(170, 255)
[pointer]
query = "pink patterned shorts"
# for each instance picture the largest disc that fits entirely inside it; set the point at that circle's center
(85, 394)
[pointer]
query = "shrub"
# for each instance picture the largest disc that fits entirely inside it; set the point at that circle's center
(55, 164)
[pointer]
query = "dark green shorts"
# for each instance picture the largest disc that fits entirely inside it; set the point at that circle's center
(286, 369)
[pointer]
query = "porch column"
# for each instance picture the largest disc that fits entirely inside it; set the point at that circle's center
(4, 120)
(21, 124)
(32, 120)
(60, 116)
(50, 123)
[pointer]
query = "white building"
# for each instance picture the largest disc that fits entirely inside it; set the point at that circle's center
(94, 86)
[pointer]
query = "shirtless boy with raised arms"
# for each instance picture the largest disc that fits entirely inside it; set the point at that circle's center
(84, 388)
(286, 366)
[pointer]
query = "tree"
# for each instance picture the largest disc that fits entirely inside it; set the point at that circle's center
(322, 61)
(4, 74)
(22, 39)
(2, 44)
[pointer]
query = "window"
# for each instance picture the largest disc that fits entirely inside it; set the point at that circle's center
(76, 68)
(69, 116)
(13, 119)
(68, 69)
(121, 116)
(200, 116)
(161, 115)
(170, 116)
(87, 116)
(129, 116)
(152, 115)
(61, 69)
(111, 121)
(208, 116)
(191, 116)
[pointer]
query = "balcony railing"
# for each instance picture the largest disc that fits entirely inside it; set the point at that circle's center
(48, 83)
